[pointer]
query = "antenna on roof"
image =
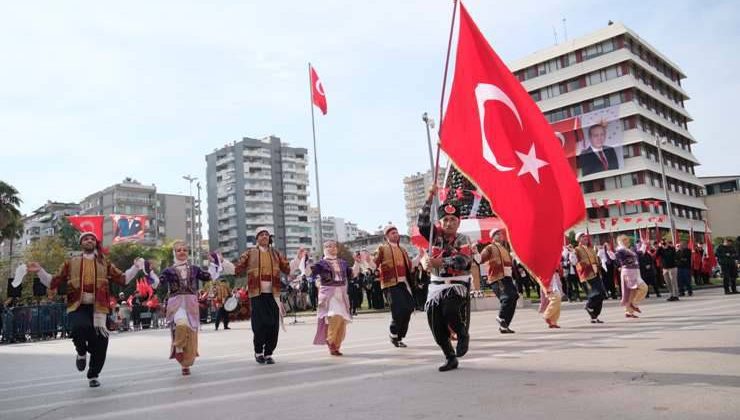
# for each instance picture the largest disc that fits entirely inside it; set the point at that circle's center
(565, 30)
(555, 34)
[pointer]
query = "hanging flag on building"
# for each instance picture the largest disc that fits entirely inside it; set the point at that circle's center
(317, 91)
(92, 224)
(128, 228)
(495, 134)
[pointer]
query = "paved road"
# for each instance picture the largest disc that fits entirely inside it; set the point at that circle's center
(679, 361)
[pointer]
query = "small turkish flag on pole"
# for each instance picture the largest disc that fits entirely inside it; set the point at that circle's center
(317, 91)
(494, 132)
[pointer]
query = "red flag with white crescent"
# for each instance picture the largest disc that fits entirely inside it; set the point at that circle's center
(495, 133)
(92, 224)
(317, 91)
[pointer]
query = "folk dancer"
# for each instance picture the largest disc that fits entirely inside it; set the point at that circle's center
(332, 276)
(587, 266)
(449, 265)
(88, 279)
(500, 275)
(263, 264)
(552, 298)
(182, 281)
(395, 268)
(634, 288)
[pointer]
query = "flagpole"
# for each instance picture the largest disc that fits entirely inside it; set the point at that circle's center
(435, 168)
(315, 157)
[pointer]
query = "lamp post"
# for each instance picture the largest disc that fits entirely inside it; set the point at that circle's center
(190, 180)
(669, 209)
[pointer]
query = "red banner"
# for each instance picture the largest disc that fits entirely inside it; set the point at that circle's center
(92, 224)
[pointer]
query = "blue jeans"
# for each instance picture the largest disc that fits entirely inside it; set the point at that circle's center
(684, 280)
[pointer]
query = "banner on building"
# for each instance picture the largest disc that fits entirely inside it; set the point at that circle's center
(128, 228)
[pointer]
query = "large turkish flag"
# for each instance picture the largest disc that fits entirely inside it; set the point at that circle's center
(495, 134)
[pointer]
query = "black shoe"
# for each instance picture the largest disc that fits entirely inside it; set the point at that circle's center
(269, 360)
(395, 341)
(462, 345)
(682, 294)
(449, 365)
(402, 344)
(505, 330)
(260, 359)
(691, 293)
(81, 362)
(227, 328)
(216, 327)
(598, 321)
(94, 383)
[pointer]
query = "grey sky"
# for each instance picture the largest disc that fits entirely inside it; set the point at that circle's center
(92, 92)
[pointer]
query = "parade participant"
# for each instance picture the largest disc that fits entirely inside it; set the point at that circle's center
(450, 279)
(648, 271)
(88, 279)
(183, 312)
(262, 265)
(395, 269)
(500, 272)
(727, 258)
(221, 293)
(667, 254)
(332, 276)
(587, 266)
(634, 288)
(551, 299)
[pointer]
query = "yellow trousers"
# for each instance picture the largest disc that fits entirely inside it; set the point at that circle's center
(337, 330)
(552, 311)
(636, 296)
(187, 340)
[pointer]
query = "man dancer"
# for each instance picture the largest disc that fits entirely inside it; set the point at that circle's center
(450, 279)
(222, 293)
(263, 264)
(395, 268)
(500, 272)
(88, 280)
(587, 267)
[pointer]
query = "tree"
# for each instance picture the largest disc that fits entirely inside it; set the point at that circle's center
(69, 235)
(572, 238)
(123, 256)
(11, 233)
(345, 253)
(9, 203)
(48, 251)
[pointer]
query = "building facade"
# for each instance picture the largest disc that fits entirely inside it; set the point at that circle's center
(722, 197)
(614, 79)
(253, 183)
(415, 190)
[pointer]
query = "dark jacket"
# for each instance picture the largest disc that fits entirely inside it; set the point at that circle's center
(667, 256)
(591, 164)
(683, 258)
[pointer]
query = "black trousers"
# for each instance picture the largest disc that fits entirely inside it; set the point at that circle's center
(652, 282)
(607, 278)
(729, 278)
(265, 323)
(222, 315)
(596, 296)
(87, 340)
(575, 287)
(507, 295)
(445, 315)
(402, 306)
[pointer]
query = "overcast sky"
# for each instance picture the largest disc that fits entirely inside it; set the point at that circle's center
(93, 92)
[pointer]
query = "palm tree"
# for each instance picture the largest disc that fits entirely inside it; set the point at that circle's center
(9, 202)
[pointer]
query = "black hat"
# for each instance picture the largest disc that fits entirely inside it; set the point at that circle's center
(449, 209)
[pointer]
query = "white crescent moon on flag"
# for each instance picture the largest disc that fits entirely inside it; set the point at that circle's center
(560, 137)
(87, 226)
(320, 87)
(485, 92)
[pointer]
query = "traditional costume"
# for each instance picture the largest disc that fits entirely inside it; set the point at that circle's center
(263, 264)
(395, 268)
(447, 298)
(550, 300)
(221, 293)
(634, 288)
(500, 272)
(587, 267)
(183, 311)
(332, 276)
(88, 280)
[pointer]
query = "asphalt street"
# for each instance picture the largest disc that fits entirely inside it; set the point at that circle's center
(678, 361)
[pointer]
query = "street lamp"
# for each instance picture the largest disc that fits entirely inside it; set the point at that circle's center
(669, 209)
(190, 180)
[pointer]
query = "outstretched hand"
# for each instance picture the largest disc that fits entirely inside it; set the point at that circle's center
(33, 267)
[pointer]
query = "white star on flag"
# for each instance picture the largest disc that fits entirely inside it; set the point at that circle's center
(530, 164)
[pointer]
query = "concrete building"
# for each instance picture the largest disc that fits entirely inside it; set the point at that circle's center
(253, 183)
(615, 70)
(170, 216)
(336, 228)
(415, 190)
(722, 197)
(371, 243)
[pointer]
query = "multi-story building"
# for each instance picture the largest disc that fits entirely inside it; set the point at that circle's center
(415, 190)
(336, 228)
(170, 216)
(253, 183)
(638, 90)
(370, 243)
(722, 197)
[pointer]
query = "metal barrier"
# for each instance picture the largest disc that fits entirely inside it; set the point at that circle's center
(35, 322)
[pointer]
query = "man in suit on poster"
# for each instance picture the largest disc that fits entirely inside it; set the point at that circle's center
(598, 156)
